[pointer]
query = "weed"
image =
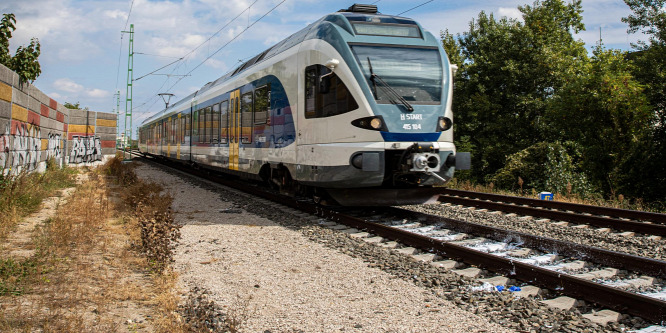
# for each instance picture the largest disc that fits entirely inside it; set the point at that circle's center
(14, 275)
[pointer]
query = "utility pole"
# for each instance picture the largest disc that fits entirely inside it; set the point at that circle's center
(128, 95)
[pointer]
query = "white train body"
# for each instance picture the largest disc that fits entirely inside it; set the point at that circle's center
(357, 100)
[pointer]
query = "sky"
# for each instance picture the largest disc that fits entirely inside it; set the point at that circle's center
(84, 55)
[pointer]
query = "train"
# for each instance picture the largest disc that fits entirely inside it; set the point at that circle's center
(352, 110)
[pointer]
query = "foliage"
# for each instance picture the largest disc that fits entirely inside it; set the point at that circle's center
(7, 26)
(543, 166)
(649, 16)
(605, 112)
(14, 275)
(24, 62)
(509, 72)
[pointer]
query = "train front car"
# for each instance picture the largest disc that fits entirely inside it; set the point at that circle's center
(377, 98)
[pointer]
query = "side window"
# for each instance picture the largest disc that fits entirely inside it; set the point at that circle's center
(209, 124)
(173, 130)
(262, 103)
(195, 126)
(182, 129)
(224, 122)
(188, 126)
(232, 127)
(202, 125)
(216, 123)
(310, 91)
(246, 117)
(325, 93)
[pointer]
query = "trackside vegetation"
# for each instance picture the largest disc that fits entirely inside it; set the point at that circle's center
(541, 113)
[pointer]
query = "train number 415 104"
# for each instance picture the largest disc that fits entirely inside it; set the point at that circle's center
(411, 126)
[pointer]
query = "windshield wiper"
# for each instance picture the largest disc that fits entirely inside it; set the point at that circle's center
(390, 91)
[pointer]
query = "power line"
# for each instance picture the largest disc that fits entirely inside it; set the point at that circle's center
(128, 15)
(167, 65)
(156, 55)
(229, 42)
(193, 50)
(409, 10)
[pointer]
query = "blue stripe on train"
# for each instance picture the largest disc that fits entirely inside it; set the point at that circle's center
(420, 137)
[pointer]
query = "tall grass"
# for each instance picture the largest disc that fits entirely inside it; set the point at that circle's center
(23, 193)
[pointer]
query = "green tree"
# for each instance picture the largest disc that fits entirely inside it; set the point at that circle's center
(649, 17)
(509, 71)
(606, 113)
(24, 62)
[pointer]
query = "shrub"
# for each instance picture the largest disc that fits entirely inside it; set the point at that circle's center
(543, 166)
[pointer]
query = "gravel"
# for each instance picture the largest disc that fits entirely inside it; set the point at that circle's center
(269, 270)
(638, 245)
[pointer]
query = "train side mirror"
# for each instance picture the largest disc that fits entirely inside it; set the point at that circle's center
(325, 80)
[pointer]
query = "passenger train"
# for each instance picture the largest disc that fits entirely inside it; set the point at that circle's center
(355, 109)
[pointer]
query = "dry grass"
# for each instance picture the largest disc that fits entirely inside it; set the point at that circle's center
(86, 274)
(22, 194)
(617, 201)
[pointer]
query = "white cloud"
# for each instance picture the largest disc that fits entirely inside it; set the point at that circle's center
(67, 85)
(76, 90)
(98, 93)
(511, 12)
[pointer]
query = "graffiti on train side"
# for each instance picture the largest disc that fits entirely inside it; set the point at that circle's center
(85, 149)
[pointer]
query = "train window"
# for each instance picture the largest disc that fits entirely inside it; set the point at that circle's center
(173, 131)
(195, 126)
(327, 96)
(216, 123)
(188, 127)
(232, 116)
(205, 125)
(246, 118)
(262, 103)
(224, 121)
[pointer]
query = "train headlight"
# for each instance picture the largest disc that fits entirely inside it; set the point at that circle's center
(375, 123)
(444, 124)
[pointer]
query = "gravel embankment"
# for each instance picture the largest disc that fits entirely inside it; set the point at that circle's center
(291, 275)
(638, 245)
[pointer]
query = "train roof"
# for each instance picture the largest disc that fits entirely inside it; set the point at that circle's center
(353, 14)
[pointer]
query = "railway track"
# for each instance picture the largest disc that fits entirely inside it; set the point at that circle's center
(607, 280)
(602, 217)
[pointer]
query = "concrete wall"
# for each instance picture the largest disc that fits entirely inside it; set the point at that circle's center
(34, 128)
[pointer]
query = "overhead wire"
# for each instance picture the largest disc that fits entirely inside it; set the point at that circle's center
(194, 50)
(409, 10)
(229, 42)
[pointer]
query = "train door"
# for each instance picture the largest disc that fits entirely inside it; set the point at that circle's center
(234, 129)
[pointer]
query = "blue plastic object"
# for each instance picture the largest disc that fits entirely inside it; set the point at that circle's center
(546, 196)
(514, 288)
(499, 288)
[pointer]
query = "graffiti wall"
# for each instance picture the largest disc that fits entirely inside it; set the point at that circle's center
(35, 128)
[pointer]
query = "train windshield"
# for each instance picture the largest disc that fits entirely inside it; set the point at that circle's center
(414, 73)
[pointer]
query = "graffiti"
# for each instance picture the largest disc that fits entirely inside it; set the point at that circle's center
(27, 147)
(85, 149)
(4, 145)
(54, 147)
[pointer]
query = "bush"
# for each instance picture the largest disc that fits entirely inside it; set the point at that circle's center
(542, 167)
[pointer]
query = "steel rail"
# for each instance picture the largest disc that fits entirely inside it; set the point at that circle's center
(597, 210)
(598, 221)
(613, 298)
(647, 266)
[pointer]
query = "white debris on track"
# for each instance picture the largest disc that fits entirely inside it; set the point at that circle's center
(280, 281)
